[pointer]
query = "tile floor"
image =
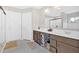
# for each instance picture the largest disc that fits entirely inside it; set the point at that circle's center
(24, 47)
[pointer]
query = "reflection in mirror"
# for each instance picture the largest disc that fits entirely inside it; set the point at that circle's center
(73, 21)
(69, 14)
(55, 23)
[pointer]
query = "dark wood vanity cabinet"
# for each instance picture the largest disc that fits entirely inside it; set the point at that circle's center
(59, 44)
(53, 45)
(65, 48)
(52, 49)
(64, 45)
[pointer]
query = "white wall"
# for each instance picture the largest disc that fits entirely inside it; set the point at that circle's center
(36, 18)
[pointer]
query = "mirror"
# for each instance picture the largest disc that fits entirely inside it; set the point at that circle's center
(69, 14)
(55, 23)
(73, 17)
(71, 21)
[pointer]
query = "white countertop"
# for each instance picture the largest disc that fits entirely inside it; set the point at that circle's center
(61, 32)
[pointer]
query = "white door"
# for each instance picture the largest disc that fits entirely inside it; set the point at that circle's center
(2, 30)
(27, 26)
(13, 26)
(2, 27)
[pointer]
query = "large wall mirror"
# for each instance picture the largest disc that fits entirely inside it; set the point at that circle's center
(72, 21)
(69, 15)
(73, 17)
(55, 23)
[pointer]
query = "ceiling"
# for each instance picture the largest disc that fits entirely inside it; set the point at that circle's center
(25, 7)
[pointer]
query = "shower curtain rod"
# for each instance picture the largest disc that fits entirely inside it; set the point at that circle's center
(3, 10)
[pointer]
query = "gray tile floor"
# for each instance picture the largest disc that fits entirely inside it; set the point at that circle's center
(24, 48)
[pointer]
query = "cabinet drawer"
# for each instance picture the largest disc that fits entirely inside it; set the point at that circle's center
(66, 40)
(64, 48)
(52, 50)
(52, 42)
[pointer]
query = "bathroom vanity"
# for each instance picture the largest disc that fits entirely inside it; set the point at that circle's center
(61, 41)
(64, 37)
(62, 44)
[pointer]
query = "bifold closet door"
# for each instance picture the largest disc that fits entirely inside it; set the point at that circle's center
(13, 26)
(2, 27)
(1, 39)
(27, 32)
(2, 30)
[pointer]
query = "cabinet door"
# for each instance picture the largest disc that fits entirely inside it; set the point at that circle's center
(52, 49)
(13, 26)
(66, 40)
(27, 31)
(35, 36)
(64, 48)
(53, 43)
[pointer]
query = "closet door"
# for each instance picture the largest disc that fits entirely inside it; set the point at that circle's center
(13, 26)
(2, 29)
(27, 32)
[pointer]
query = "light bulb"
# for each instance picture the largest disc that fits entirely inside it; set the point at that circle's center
(72, 19)
(47, 10)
